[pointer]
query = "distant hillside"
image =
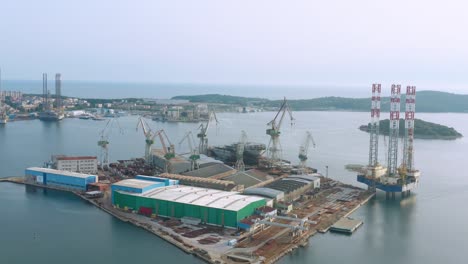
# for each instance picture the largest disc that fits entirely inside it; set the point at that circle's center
(422, 129)
(221, 99)
(426, 101)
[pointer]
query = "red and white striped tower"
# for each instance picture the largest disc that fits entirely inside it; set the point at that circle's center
(374, 126)
(394, 131)
(408, 151)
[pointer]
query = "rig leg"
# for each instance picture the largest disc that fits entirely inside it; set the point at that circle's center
(393, 195)
(402, 194)
(387, 195)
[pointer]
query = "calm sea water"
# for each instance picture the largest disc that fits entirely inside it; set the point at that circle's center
(52, 227)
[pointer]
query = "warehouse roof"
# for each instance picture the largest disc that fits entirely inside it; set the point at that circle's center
(76, 158)
(247, 178)
(266, 192)
(60, 172)
(231, 201)
(210, 171)
(134, 183)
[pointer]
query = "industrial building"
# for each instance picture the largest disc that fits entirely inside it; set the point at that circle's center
(141, 184)
(214, 171)
(59, 179)
(211, 206)
(177, 164)
(81, 164)
(288, 189)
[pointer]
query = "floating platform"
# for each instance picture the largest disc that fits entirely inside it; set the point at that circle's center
(392, 188)
(346, 225)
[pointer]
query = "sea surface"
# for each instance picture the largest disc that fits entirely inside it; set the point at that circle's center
(39, 226)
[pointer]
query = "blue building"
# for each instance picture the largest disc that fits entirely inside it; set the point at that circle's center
(167, 182)
(60, 179)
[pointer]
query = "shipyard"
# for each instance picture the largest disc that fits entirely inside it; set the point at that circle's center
(241, 202)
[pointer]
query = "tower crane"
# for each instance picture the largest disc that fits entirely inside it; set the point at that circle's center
(103, 142)
(203, 145)
(304, 148)
(240, 166)
(169, 152)
(274, 146)
(149, 138)
(194, 155)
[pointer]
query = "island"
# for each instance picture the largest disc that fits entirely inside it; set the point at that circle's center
(422, 130)
(428, 102)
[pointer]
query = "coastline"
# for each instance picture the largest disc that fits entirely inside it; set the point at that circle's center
(178, 241)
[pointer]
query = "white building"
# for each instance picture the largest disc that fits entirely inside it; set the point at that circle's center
(82, 164)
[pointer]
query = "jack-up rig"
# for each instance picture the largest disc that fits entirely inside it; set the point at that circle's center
(393, 178)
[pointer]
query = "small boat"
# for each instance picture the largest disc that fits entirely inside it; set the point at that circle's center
(98, 118)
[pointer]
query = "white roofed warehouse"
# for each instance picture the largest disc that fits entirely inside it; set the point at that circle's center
(211, 206)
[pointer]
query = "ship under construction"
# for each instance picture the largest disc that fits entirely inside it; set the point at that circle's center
(393, 178)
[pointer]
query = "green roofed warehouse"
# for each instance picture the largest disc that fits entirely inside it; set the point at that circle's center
(211, 206)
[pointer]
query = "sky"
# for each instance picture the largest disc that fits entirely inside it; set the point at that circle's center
(303, 42)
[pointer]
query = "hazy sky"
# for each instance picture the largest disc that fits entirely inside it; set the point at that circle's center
(357, 42)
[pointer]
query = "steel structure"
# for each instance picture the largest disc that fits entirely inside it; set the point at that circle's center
(240, 166)
(304, 149)
(374, 126)
(103, 142)
(45, 93)
(169, 152)
(149, 138)
(202, 135)
(274, 146)
(3, 114)
(408, 151)
(394, 131)
(58, 92)
(194, 155)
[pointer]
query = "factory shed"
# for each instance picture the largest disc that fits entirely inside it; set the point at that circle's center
(166, 181)
(59, 179)
(211, 206)
(177, 164)
(266, 192)
(214, 171)
(135, 186)
(248, 178)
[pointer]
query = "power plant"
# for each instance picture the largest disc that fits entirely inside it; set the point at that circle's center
(393, 178)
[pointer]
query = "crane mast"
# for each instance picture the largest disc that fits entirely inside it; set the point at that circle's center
(304, 149)
(240, 166)
(274, 147)
(103, 142)
(202, 135)
(149, 138)
(194, 155)
(169, 152)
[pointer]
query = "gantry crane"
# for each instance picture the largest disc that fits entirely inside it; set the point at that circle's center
(169, 152)
(203, 145)
(274, 146)
(240, 166)
(304, 148)
(103, 142)
(149, 138)
(194, 155)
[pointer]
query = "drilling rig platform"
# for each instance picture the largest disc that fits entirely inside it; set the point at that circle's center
(393, 178)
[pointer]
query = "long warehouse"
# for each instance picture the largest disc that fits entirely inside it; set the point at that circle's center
(211, 206)
(59, 178)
